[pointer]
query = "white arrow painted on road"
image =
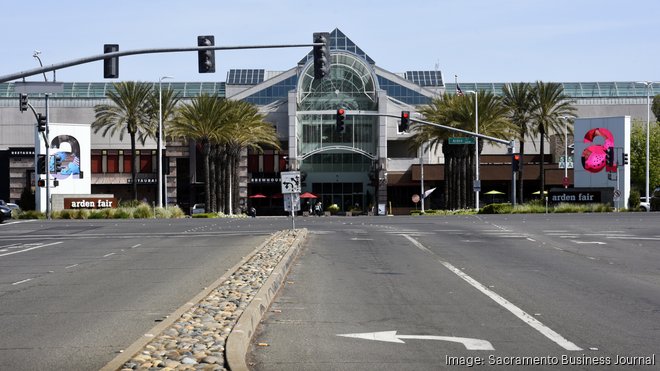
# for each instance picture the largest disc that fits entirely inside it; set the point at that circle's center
(392, 337)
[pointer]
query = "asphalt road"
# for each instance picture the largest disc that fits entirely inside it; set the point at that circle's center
(562, 291)
(74, 293)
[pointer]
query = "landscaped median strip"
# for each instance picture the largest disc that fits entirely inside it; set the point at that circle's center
(194, 336)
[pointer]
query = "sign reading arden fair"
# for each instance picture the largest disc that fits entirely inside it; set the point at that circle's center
(90, 203)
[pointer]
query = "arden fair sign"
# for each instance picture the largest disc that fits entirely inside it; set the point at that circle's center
(581, 195)
(90, 203)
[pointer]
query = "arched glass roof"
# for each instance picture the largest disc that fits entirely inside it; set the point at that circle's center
(351, 84)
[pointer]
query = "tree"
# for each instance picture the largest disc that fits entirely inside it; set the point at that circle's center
(458, 111)
(243, 127)
(638, 157)
(200, 120)
(655, 107)
(129, 112)
(550, 106)
(519, 100)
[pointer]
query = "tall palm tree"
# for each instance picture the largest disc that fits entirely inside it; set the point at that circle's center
(519, 100)
(166, 107)
(129, 112)
(458, 111)
(550, 105)
(243, 128)
(200, 120)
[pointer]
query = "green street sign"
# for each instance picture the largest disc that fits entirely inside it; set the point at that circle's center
(462, 140)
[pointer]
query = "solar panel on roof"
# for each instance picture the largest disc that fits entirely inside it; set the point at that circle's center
(425, 78)
(245, 76)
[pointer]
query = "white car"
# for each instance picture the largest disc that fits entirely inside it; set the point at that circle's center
(198, 209)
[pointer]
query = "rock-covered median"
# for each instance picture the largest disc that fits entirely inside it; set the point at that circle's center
(196, 340)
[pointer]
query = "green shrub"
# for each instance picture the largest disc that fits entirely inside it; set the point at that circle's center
(333, 209)
(30, 214)
(122, 213)
(633, 200)
(102, 214)
(143, 211)
(505, 208)
(205, 215)
(63, 214)
(175, 212)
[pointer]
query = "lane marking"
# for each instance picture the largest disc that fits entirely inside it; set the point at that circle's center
(23, 281)
(589, 242)
(392, 337)
(106, 255)
(138, 245)
(31, 248)
(531, 239)
(515, 310)
(71, 266)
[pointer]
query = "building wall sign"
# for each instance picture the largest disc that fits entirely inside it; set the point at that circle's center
(90, 203)
(580, 195)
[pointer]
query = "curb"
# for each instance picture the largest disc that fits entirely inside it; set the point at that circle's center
(238, 341)
(126, 355)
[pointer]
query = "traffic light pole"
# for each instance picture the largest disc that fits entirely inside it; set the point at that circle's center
(99, 57)
(46, 140)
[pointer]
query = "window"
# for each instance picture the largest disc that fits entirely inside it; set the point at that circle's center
(97, 164)
(113, 164)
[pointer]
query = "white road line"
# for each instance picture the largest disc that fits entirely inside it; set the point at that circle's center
(23, 281)
(524, 316)
(134, 246)
(71, 266)
(106, 255)
(634, 238)
(531, 239)
(31, 248)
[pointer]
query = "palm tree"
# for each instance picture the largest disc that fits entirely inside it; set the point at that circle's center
(243, 128)
(519, 100)
(200, 120)
(458, 111)
(165, 107)
(129, 112)
(550, 106)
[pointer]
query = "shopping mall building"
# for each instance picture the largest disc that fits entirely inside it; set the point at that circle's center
(368, 164)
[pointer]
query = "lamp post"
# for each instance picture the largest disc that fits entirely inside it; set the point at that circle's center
(477, 185)
(160, 140)
(565, 119)
(649, 85)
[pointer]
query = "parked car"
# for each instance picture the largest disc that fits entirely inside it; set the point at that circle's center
(5, 213)
(655, 199)
(198, 209)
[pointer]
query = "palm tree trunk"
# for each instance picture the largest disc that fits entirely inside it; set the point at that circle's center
(134, 168)
(236, 181)
(542, 163)
(520, 173)
(220, 183)
(212, 176)
(207, 171)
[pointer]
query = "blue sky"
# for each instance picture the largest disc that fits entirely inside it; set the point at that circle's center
(478, 40)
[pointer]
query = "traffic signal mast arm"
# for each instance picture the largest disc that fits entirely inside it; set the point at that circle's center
(509, 143)
(99, 57)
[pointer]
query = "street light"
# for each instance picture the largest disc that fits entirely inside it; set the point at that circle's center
(477, 185)
(565, 119)
(160, 139)
(649, 85)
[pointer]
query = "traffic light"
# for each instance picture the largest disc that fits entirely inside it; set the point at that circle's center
(609, 157)
(23, 98)
(321, 55)
(41, 164)
(41, 122)
(341, 117)
(515, 162)
(625, 159)
(110, 65)
(405, 121)
(58, 163)
(41, 182)
(206, 58)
